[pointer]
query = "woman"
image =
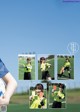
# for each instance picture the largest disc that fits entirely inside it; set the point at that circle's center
(28, 69)
(38, 100)
(11, 84)
(58, 96)
(66, 67)
(45, 69)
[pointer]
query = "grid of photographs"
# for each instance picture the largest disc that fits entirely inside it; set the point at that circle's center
(45, 89)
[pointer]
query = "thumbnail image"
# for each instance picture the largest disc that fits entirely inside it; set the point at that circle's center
(57, 95)
(38, 96)
(65, 67)
(45, 67)
(26, 67)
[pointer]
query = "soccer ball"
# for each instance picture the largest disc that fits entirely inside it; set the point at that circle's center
(2, 88)
(49, 66)
(49, 78)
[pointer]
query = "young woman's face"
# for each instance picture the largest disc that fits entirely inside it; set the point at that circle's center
(28, 61)
(38, 91)
(43, 61)
(67, 60)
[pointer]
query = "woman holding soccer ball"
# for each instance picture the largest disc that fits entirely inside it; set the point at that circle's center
(10, 82)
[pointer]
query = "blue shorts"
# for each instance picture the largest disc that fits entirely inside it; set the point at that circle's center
(3, 69)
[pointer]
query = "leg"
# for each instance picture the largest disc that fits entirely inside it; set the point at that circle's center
(48, 75)
(59, 105)
(43, 75)
(69, 74)
(25, 75)
(29, 76)
(62, 70)
(54, 105)
(68, 70)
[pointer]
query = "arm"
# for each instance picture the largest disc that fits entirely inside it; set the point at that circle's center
(11, 85)
(48, 65)
(41, 67)
(61, 95)
(29, 67)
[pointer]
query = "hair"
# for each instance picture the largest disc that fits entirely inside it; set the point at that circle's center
(61, 86)
(28, 59)
(67, 59)
(40, 87)
(41, 59)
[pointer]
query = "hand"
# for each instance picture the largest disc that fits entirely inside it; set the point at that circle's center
(42, 103)
(4, 101)
(39, 106)
(31, 98)
(59, 97)
(26, 68)
(52, 90)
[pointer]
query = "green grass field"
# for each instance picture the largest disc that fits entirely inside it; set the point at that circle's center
(61, 62)
(20, 103)
(22, 61)
(51, 69)
(25, 108)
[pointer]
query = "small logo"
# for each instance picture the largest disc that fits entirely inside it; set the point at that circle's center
(73, 47)
(71, 0)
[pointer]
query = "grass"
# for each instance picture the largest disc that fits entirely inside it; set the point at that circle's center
(17, 108)
(73, 96)
(22, 62)
(61, 62)
(21, 98)
(20, 103)
(25, 108)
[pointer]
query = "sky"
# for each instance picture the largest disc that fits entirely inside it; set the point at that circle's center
(40, 26)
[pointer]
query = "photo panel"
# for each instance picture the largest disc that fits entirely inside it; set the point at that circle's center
(65, 67)
(57, 96)
(38, 95)
(26, 64)
(46, 66)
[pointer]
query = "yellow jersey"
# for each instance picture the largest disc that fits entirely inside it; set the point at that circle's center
(45, 66)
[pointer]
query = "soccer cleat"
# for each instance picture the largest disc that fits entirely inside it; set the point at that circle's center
(69, 75)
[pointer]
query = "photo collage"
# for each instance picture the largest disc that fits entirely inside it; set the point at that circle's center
(46, 73)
